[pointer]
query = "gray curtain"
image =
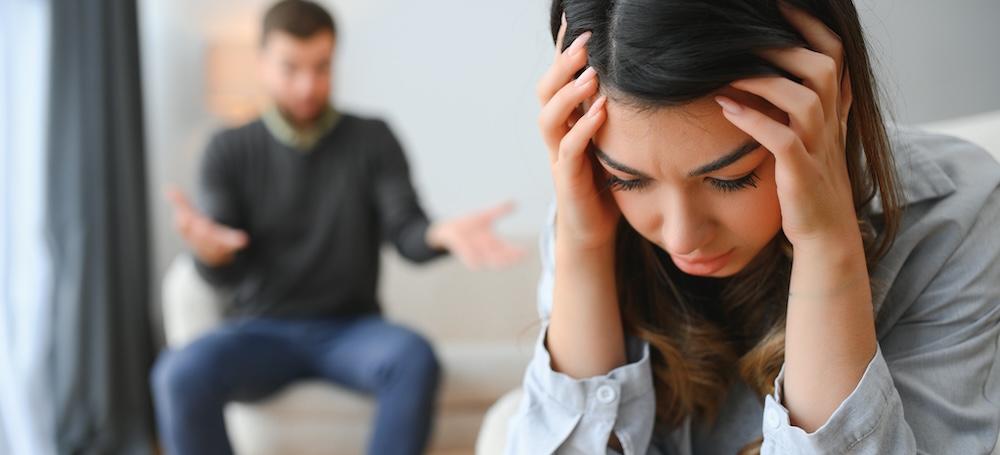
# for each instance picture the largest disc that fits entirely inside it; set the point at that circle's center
(97, 231)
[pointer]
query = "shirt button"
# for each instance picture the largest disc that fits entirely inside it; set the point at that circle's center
(772, 419)
(606, 394)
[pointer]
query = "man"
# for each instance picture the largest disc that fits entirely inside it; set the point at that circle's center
(296, 205)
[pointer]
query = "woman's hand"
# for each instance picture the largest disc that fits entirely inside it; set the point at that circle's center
(830, 329)
(814, 189)
(585, 336)
(587, 215)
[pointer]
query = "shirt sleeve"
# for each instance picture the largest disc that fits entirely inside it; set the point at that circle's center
(869, 421)
(403, 221)
(934, 384)
(219, 199)
(560, 414)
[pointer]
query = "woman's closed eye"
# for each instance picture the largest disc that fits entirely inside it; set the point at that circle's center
(618, 184)
(729, 186)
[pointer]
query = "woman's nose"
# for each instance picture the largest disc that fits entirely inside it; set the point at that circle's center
(687, 226)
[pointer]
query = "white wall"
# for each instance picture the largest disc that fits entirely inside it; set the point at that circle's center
(456, 79)
(939, 59)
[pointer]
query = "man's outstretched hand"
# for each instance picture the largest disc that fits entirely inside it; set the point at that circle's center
(213, 243)
(472, 239)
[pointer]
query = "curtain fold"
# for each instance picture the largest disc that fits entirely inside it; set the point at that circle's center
(98, 231)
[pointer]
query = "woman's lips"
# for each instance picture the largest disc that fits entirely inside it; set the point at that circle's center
(702, 265)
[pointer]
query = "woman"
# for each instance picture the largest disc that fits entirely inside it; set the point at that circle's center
(744, 257)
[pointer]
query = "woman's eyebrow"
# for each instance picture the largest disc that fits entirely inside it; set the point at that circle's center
(616, 165)
(730, 158)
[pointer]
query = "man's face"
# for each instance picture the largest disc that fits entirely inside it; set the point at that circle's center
(296, 73)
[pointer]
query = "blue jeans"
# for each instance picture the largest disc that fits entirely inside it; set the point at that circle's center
(249, 359)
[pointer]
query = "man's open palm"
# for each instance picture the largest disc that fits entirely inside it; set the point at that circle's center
(213, 243)
(472, 239)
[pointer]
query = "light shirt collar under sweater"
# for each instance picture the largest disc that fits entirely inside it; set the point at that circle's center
(300, 139)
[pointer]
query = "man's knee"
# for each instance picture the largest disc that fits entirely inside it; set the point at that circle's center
(425, 359)
(414, 358)
(181, 375)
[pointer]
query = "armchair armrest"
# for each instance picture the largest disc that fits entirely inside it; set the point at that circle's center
(982, 129)
(191, 306)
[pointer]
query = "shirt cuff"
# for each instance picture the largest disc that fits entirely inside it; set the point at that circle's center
(578, 415)
(858, 417)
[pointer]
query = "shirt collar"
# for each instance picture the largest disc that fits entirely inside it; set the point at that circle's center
(920, 178)
(300, 139)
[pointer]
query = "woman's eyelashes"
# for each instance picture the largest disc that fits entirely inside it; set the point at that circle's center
(726, 186)
(618, 184)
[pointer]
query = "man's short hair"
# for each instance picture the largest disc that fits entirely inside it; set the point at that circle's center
(299, 18)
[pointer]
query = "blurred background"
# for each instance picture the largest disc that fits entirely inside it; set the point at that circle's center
(455, 80)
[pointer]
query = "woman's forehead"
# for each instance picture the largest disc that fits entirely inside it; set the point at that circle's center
(684, 134)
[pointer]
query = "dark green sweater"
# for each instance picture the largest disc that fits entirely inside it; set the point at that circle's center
(316, 220)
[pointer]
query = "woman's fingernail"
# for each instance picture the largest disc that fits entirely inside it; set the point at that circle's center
(585, 77)
(729, 105)
(597, 106)
(578, 43)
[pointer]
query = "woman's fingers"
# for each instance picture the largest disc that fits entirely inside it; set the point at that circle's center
(815, 32)
(780, 140)
(556, 115)
(567, 132)
(818, 72)
(819, 107)
(822, 70)
(561, 72)
(575, 143)
(804, 107)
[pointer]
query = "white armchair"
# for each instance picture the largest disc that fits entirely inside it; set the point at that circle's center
(481, 324)
(980, 129)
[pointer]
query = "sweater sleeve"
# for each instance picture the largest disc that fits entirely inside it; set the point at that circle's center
(403, 221)
(218, 198)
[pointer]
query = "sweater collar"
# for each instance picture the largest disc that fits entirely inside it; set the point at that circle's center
(299, 139)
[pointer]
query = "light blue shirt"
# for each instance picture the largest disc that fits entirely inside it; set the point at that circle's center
(932, 387)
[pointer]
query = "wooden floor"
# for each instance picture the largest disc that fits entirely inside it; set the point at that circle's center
(157, 451)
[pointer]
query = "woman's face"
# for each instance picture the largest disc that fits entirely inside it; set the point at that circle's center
(692, 183)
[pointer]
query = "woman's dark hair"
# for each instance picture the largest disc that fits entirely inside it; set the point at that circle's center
(653, 54)
(299, 18)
